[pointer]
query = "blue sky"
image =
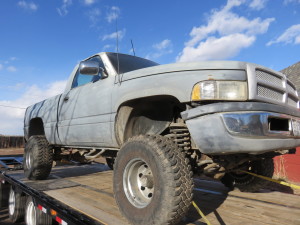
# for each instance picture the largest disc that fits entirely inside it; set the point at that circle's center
(41, 41)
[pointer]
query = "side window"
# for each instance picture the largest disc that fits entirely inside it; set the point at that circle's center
(81, 79)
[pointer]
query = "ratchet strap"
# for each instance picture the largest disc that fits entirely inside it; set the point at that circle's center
(201, 213)
(272, 180)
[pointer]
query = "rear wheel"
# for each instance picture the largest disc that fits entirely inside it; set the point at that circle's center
(246, 182)
(16, 206)
(152, 181)
(38, 158)
(34, 216)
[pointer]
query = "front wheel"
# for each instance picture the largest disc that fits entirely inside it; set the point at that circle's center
(246, 182)
(38, 158)
(152, 181)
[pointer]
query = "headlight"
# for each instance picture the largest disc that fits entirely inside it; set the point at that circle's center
(220, 90)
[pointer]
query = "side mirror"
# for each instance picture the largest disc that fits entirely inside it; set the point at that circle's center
(89, 68)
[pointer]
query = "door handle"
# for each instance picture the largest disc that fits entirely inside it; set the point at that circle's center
(66, 98)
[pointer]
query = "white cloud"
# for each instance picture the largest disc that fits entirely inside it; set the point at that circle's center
(28, 5)
(11, 69)
(106, 47)
(94, 16)
(113, 14)
(162, 48)
(63, 10)
(217, 48)
(1, 67)
(11, 118)
(289, 36)
(89, 2)
(258, 4)
(120, 34)
(223, 26)
(163, 45)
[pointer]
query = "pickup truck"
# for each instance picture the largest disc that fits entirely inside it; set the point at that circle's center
(156, 125)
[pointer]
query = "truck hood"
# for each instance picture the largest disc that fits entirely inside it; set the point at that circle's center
(180, 67)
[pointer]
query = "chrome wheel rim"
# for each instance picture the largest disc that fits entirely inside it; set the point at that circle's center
(11, 202)
(138, 183)
(28, 160)
(31, 214)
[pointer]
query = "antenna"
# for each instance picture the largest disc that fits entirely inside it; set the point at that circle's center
(117, 32)
(132, 47)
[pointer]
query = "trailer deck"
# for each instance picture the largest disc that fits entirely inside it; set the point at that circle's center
(86, 190)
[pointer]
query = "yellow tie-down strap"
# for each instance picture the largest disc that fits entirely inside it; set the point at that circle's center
(272, 180)
(201, 213)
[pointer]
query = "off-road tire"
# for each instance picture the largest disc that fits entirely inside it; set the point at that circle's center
(16, 206)
(248, 183)
(34, 216)
(38, 158)
(172, 180)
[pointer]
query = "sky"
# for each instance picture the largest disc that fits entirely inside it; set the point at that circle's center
(41, 41)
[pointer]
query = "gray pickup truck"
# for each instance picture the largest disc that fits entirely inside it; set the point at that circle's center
(156, 125)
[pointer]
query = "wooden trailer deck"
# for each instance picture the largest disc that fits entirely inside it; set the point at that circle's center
(88, 189)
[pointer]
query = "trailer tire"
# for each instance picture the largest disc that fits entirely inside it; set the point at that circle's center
(38, 158)
(34, 216)
(152, 181)
(4, 192)
(248, 183)
(16, 206)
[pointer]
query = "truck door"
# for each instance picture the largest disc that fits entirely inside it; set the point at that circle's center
(84, 111)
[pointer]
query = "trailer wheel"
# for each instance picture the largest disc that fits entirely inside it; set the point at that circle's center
(38, 158)
(152, 181)
(16, 206)
(4, 192)
(248, 183)
(34, 216)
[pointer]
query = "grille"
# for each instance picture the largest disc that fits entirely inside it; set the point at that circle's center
(269, 93)
(292, 102)
(275, 87)
(269, 78)
(290, 88)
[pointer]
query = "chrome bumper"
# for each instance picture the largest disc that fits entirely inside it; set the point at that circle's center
(252, 128)
(261, 124)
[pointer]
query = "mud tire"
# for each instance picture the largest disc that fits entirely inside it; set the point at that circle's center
(172, 180)
(38, 158)
(248, 183)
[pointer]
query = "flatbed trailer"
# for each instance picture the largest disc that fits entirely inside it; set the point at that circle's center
(83, 195)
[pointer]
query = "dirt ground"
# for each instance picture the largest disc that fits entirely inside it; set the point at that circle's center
(11, 151)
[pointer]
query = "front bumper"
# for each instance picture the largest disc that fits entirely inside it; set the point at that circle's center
(243, 127)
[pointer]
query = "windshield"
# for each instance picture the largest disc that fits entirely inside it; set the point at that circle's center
(129, 63)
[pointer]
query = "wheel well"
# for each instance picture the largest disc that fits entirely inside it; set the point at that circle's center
(36, 127)
(151, 115)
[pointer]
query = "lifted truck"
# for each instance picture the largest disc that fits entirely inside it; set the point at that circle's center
(157, 124)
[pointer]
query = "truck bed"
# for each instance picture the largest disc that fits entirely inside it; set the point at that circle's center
(87, 189)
